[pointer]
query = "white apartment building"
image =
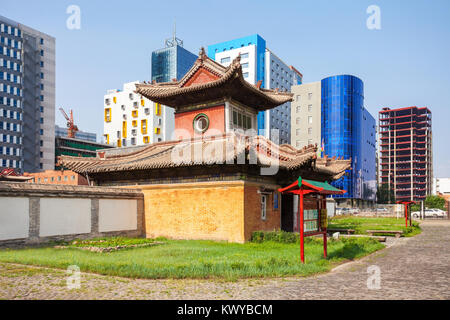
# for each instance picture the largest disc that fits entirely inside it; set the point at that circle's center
(133, 120)
(306, 115)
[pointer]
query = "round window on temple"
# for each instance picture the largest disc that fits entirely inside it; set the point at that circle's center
(201, 123)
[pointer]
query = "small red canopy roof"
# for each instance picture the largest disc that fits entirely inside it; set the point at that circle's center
(310, 186)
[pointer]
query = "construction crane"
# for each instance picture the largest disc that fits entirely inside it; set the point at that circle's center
(71, 127)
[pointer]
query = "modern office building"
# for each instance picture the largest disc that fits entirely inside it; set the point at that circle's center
(171, 62)
(27, 98)
(306, 110)
(331, 113)
(133, 120)
(349, 131)
(406, 161)
(65, 146)
(262, 67)
(81, 135)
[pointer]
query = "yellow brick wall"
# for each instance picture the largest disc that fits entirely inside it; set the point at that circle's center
(210, 210)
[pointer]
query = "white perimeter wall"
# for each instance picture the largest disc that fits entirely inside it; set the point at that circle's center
(64, 216)
(117, 215)
(14, 218)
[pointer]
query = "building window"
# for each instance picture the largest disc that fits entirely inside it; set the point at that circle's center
(201, 123)
(134, 113)
(157, 109)
(133, 141)
(124, 129)
(144, 126)
(244, 65)
(297, 132)
(298, 109)
(134, 123)
(157, 130)
(108, 114)
(107, 102)
(309, 96)
(225, 60)
(309, 130)
(310, 108)
(310, 120)
(297, 121)
(146, 140)
(244, 55)
(310, 141)
(263, 206)
(245, 74)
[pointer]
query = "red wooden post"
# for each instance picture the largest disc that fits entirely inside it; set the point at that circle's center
(324, 206)
(302, 247)
(406, 215)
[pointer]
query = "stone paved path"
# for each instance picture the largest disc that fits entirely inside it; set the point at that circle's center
(412, 268)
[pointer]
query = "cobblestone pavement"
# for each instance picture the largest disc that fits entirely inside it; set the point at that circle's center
(411, 268)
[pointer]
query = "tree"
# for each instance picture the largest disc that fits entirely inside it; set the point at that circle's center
(431, 202)
(385, 195)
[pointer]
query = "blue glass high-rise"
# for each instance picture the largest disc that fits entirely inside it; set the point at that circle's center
(171, 63)
(348, 131)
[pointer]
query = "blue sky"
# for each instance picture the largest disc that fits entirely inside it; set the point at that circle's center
(406, 63)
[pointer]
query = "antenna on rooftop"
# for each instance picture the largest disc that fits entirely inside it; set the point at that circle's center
(172, 42)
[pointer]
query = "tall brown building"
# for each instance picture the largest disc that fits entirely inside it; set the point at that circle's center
(406, 154)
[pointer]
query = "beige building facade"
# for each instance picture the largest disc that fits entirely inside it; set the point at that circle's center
(306, 115)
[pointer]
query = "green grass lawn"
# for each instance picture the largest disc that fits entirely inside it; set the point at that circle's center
(361, 224)
(201, 259)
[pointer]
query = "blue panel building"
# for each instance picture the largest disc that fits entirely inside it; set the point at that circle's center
(348, 131)
(261, 64)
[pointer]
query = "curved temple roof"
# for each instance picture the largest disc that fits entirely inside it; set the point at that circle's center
(228, 148)
(223, 82)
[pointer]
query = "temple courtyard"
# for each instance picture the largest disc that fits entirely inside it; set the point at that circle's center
(419, 263)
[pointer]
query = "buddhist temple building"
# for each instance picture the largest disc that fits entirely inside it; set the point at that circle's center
(217, 179)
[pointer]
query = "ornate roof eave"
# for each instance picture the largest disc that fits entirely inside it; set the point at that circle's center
(159, 156)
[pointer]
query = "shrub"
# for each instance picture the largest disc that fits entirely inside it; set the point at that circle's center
(275, 236)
